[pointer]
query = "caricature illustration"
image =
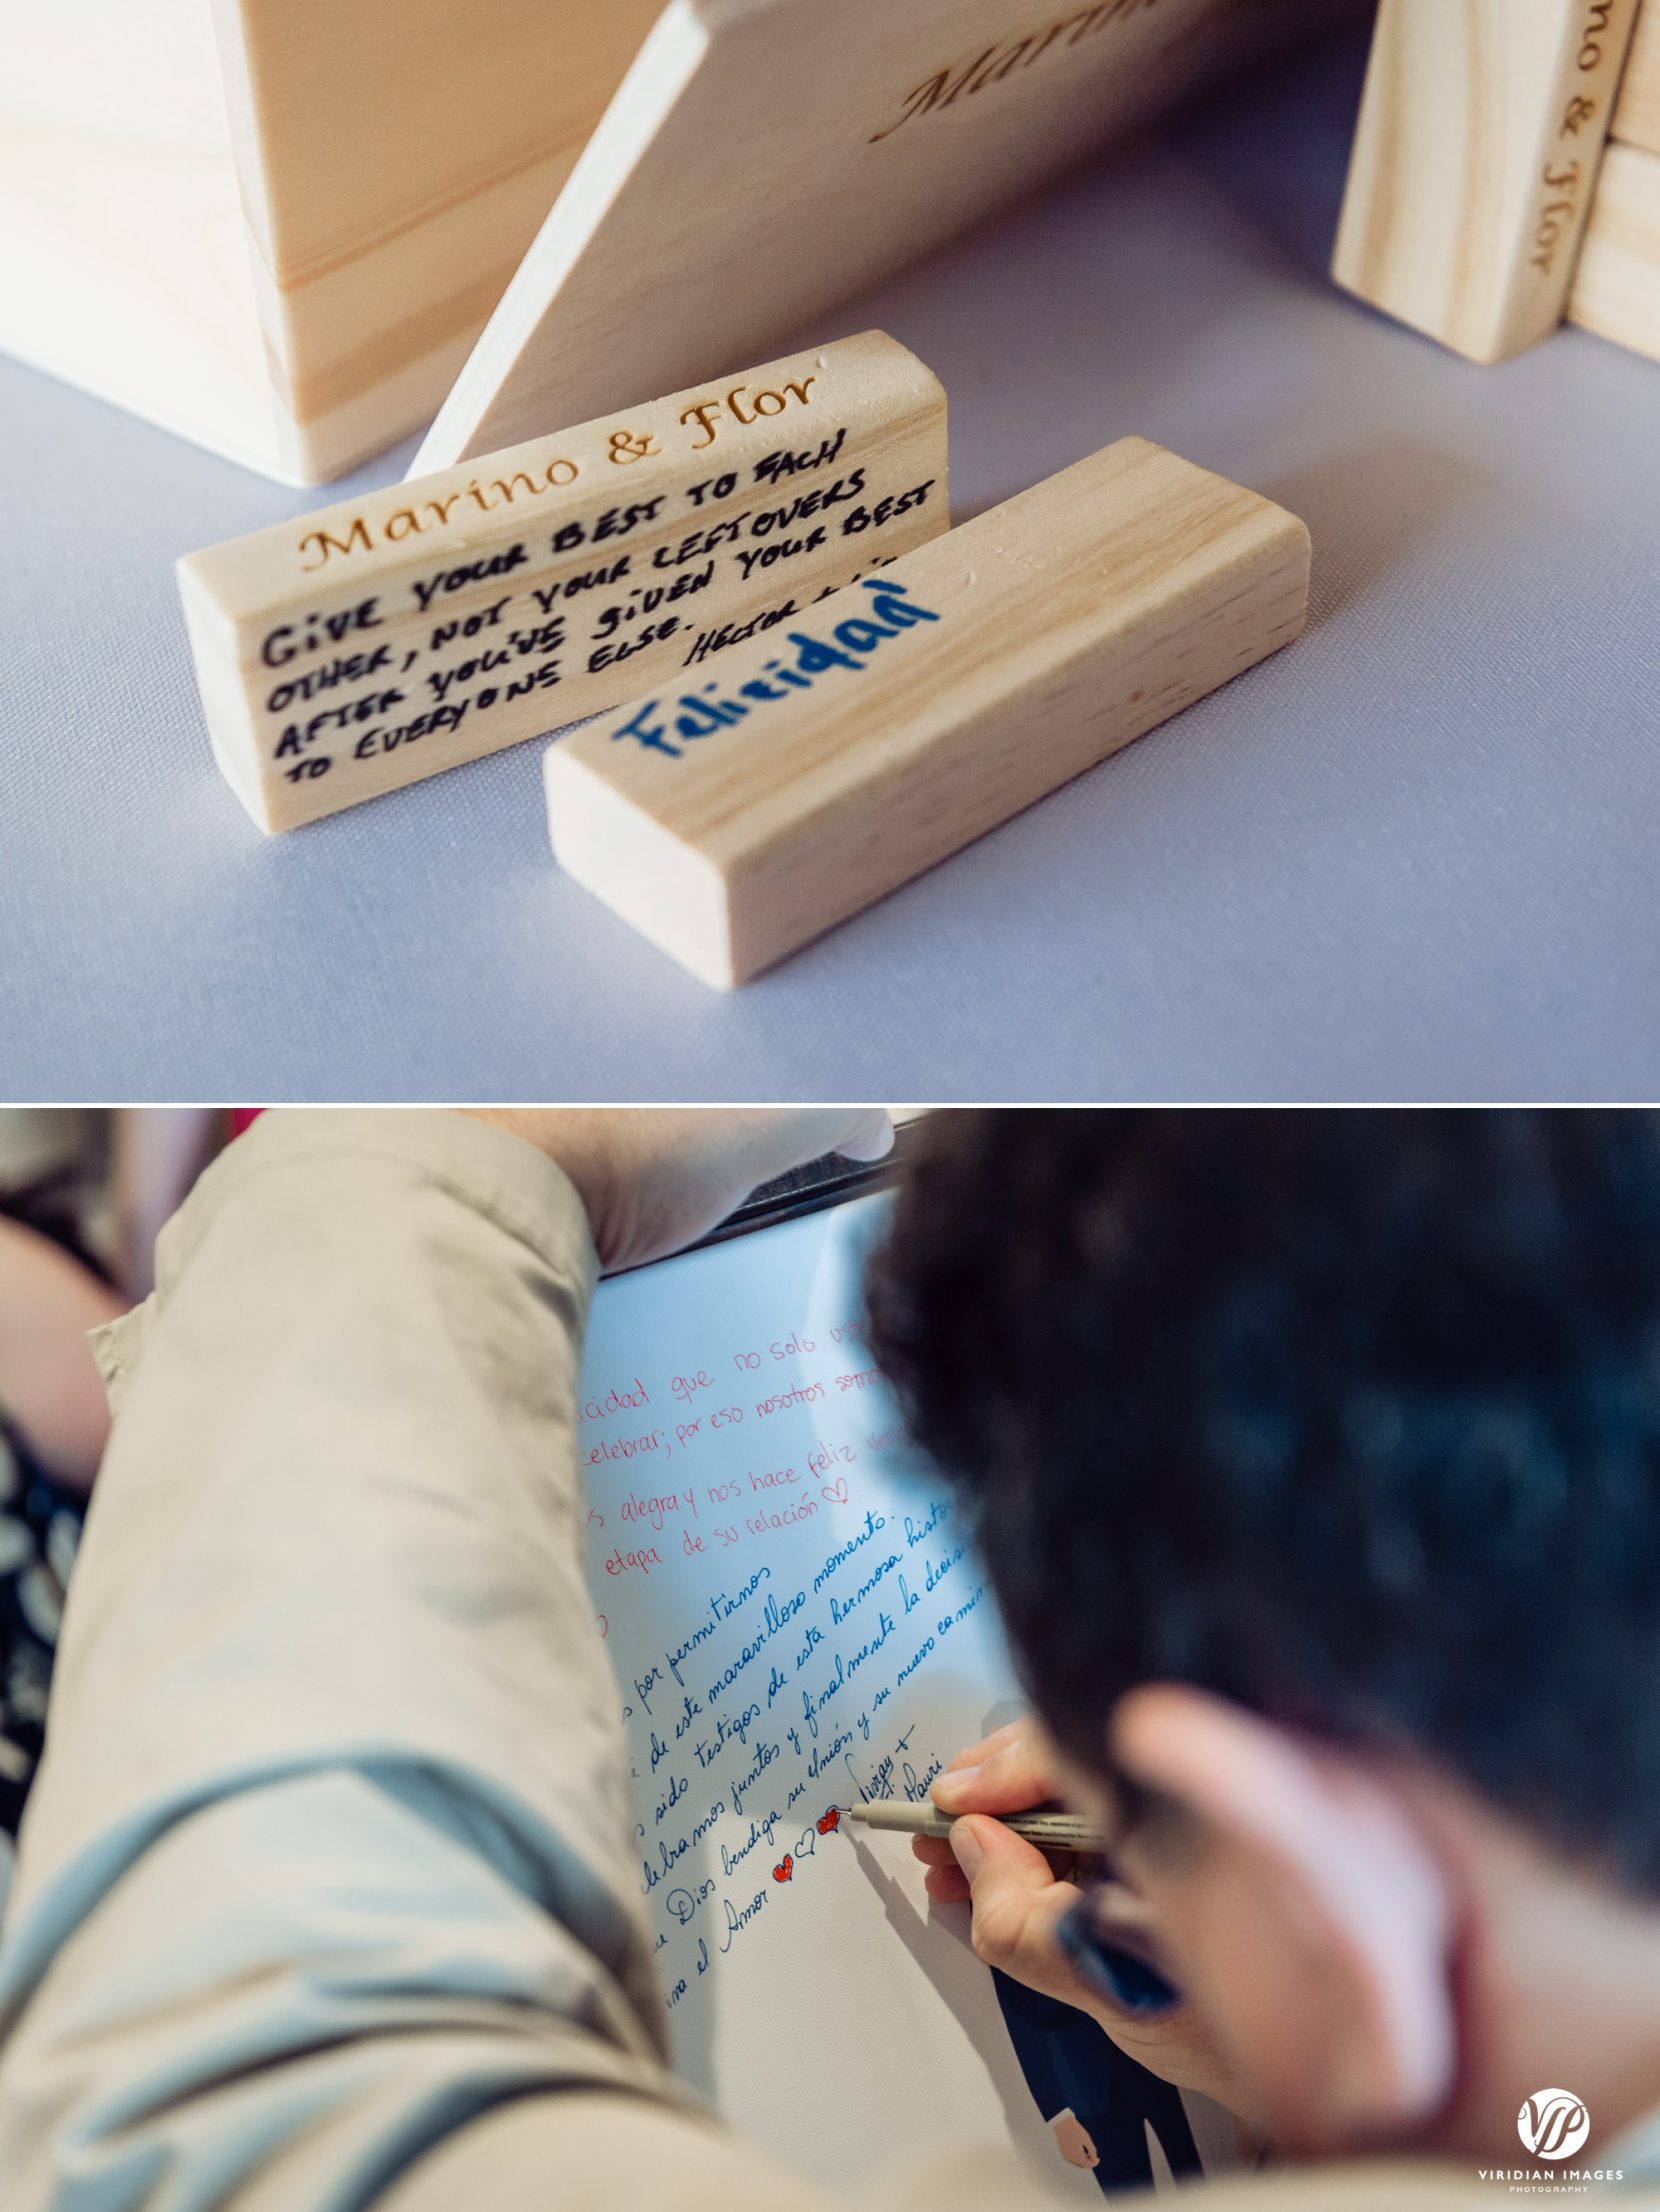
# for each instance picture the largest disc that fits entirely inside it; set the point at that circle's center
(1098, 2101)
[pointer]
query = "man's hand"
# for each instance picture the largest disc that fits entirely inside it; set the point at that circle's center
(1077, 2145)
(654, 1180)
(1017, 1904)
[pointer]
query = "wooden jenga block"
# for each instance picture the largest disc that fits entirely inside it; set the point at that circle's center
(1637, 117)
(1617, 290)
(1476, 161)
(871, 131)
(733, 816)
(352, 651)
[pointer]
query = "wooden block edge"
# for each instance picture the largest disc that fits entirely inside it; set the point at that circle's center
(1587, 308)
(215, 666)
(576, 798)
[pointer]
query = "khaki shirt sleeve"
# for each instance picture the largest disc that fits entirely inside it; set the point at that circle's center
(327, 1855)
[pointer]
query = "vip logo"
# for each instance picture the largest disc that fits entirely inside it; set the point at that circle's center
(1553, 2123)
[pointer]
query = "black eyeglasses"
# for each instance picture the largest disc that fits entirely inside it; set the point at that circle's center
(1130, 1982)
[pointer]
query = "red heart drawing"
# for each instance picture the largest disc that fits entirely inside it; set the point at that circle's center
(785, 1868)
(831, 1821)
(835, 1493)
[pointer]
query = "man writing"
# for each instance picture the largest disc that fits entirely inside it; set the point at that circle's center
(1315, 1459)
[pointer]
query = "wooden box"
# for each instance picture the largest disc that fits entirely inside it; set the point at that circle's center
(277, 226)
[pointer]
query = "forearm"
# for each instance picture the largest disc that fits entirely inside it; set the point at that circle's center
(326, 1851)
(49, 1387)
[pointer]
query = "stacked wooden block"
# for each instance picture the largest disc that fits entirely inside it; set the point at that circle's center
(1506, 172)
(1616, 290)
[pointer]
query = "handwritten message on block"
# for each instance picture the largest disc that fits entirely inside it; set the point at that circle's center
(733, 819)
(353, 651)
(794, 1621)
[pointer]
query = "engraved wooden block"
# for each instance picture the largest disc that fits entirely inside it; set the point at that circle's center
(1476, 161)
(355, 650)
(1637, 117)
(734, 816)
(871, 132)
(1617, 290)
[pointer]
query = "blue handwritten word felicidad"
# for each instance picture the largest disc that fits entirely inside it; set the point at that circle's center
(890, 610)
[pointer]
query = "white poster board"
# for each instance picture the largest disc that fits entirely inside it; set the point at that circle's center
(793, 1620)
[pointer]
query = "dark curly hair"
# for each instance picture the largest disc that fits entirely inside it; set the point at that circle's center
(1353, 1418)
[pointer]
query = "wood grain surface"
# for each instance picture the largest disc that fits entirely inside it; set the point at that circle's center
(837, 758)
(1637, 117)
(1475, 164)
(1617, 290)
(768, 159)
